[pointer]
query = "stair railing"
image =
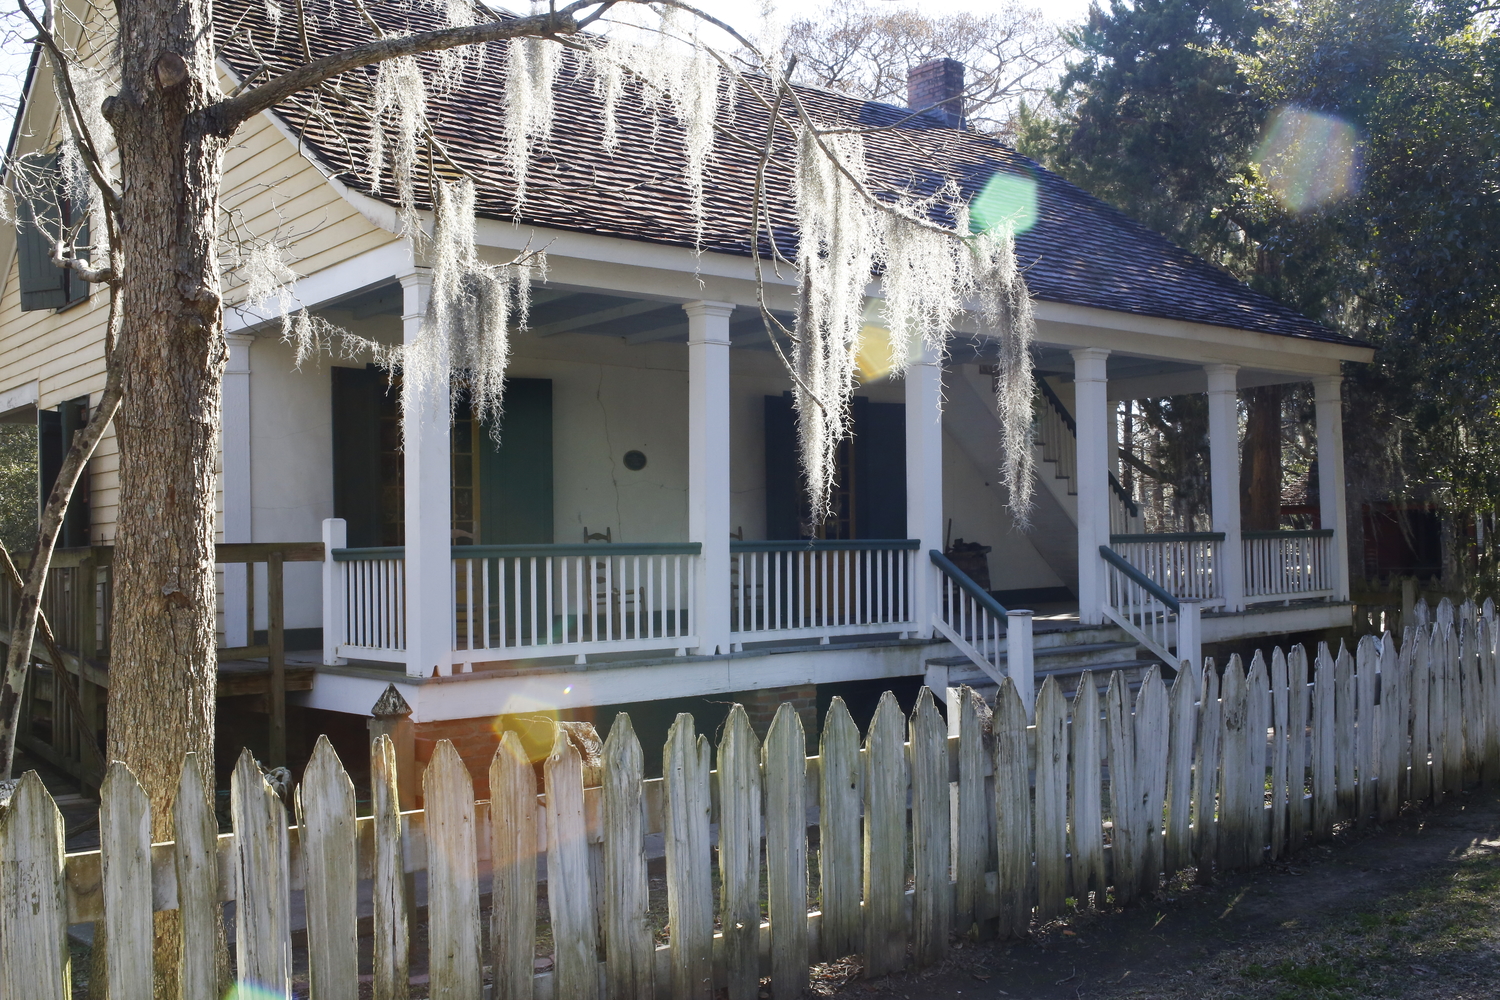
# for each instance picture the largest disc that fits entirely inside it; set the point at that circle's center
(1168, 626)
(969, 617)
(1057, 433)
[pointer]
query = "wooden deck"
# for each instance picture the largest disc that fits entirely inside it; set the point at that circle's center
(250, 677)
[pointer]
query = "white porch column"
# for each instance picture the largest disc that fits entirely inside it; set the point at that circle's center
(1224, 479)
(708, 467)
(235, 482)
(1331, 510)
(429, 530)
(1091, 413)
(924, 479)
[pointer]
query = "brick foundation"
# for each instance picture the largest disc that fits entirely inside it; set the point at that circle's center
(761, 706)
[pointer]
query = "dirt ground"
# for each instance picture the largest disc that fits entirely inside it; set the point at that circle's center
(1412, 909)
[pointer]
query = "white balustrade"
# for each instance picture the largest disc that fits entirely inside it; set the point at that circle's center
(1139, 609)
(1184, 565)
(372, 583)
(820, 589)
(515, 601)
(1289, 565)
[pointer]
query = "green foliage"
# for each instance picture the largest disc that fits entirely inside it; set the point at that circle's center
(18, 487)
(1161, 113)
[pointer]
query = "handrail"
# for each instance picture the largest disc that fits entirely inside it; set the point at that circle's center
(824, 544)
(1168, 536)
(1067, 418)
(1141, 579)
(1294, 533)
(986, 600)
(1124, 497)
(1057, 404)
(533, 551)
(224, 552)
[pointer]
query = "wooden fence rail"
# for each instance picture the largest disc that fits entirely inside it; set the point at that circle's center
(1102, 797)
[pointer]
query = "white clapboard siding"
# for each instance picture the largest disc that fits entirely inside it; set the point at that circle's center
(1206, 773)
(1051, 800)
(690, 900)
(1085, 803)
(971, 837)
(33, 902)
(627, 932)
(453, 959)
(885, 840)
(195, 859)
(263, 921)
(570, 893)
(388, 882)
(1152, 716)
(840, 850)
(326, 828)
(932, 900)
(739, 854)
(1012, 811)
(785, 765)
(125, 855)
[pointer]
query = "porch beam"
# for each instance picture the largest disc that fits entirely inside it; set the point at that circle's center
(1328, 402)
(1091, 414)
(708, 467)
(598, 316)
(429, 529)
(1224, 479)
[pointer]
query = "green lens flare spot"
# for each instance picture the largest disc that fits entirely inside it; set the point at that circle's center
(1007, 200)
(1308, 159)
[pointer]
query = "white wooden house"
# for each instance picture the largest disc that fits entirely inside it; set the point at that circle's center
(636, 534)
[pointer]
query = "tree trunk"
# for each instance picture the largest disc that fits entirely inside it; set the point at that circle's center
(171, 357)
(1260, 473)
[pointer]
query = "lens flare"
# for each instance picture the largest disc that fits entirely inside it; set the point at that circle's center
(252, 991)
(1007, 200)
(874, 357)
(1308, 159)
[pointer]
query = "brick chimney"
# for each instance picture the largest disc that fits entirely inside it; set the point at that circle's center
(937, 85)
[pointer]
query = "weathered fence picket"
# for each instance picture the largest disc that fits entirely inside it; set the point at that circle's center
(739, 854)
(1021, 811)
(840, 857)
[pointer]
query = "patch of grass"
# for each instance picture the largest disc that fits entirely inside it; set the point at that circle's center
(1312, 976)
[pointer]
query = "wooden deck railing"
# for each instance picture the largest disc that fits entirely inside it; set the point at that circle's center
(64, 705)
(820, 588)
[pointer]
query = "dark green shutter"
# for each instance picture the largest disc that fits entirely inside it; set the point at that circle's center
(783, 478)
(44, 285)
(49, 453)
(73, 415)
(880, 469)
(515, 476)
(356, 396)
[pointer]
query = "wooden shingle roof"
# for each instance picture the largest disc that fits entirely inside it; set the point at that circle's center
(1080, 251)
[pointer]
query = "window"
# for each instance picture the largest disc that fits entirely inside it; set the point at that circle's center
(45, 214)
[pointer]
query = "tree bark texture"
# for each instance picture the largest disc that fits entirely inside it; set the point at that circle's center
(1260, 472)
(171, 356)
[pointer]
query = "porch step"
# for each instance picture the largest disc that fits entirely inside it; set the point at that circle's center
(1067, 678)
(1080, 654)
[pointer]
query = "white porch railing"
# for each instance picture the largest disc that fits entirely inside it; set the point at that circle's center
(995, 639)
(516, 601)
(1184, 565)
(1157, 619)
(820, 589)
(372, 584)
(1289, 565)
(1056, 433)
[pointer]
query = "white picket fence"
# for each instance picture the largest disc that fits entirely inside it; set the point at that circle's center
(1104, 795)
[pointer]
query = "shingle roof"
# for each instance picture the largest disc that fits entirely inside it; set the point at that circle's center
(1081, 251)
